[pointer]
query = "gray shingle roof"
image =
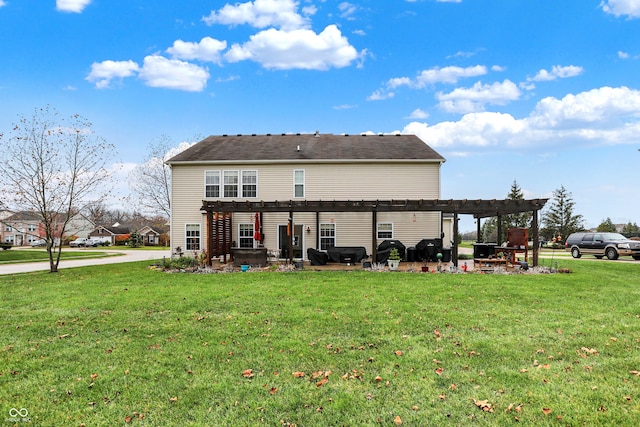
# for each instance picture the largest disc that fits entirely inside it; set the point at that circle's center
(308, 147)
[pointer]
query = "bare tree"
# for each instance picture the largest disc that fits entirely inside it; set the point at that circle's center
(54, 166)
(151, 181)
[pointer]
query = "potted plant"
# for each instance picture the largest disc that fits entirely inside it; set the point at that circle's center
(394, 259)
(425, 266)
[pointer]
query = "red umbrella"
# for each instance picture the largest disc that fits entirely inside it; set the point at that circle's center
(256, 229)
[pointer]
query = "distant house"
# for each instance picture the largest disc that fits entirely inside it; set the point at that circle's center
(151, 234)
(24, 228)
(110, 234)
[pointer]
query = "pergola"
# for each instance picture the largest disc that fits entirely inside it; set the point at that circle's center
(479, 208)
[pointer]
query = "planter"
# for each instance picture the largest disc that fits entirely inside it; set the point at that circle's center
(425, 269)
(393, 264)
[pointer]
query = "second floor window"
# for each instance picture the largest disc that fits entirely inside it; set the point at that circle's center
(249, 184)
(298, 183)
(212, 184)
(230, 183)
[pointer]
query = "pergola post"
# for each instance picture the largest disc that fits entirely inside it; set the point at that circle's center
(374, 237)
(536, 237)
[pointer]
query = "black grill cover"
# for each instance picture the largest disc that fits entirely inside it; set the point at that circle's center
(316, 257)
(428, 248)
(385, 247)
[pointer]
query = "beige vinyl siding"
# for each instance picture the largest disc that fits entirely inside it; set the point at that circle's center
(340, 181)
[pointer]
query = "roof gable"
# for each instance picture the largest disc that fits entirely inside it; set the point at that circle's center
(308, 147)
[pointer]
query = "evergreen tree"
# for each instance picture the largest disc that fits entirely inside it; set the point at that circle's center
(559, 219)
(607, 226)
(631, 230)
(517, 220)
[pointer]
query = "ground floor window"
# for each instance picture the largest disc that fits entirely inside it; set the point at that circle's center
(327, 236)
(193, 237)
(245, 235)
(385, 230)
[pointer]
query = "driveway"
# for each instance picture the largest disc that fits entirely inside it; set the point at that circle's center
(124, 256)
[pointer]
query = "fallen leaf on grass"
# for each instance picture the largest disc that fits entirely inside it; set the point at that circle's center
(636, 373)
(484, 405)
(273, 390)
(298, 374)
(546, 411)
(173, 399)
(437, 334)
(247, 373)
(397, 420)
(439, 371)
(322, 382)
(398, 353)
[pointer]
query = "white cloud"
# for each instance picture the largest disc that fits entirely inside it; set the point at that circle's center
(380, 95)
(623, 55)
(208, 49)
(474, 99)
(630, 8)
(605, 106)
(260, 14)
(102, 73)
(605, 115)
(347, 10)
(418, 114)
(75, 6)
(557, 72)
(297, 49)
(2, 3)
(158, 71)
(448, 75)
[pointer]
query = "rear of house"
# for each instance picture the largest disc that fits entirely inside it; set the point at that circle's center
(307, 167)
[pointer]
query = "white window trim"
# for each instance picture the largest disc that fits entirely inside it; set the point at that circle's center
(303, 183)
(187, 237)
(251, 225)
(335, 232)
(385, 231)
(219, 184)
(241, 189)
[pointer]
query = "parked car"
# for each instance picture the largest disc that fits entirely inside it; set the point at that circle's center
(611, 245)
(40, 242)
(83, 242)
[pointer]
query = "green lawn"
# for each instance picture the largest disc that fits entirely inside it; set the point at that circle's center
(35, 255)
(111, 345)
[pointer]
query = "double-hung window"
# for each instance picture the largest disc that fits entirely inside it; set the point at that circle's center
(245, 235)
(192, 237)
(327, 236)
(385, 230)
(230, 179)
(212, 184)
(249, 184)
(298, 183)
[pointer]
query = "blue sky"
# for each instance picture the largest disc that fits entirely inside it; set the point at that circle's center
(542, 92)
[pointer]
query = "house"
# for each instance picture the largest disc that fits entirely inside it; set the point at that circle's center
(110, 234)
(26, 227)
(305, 168)
(151, 235)
(22, 228)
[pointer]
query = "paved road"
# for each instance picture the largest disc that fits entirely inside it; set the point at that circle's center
(125, 256)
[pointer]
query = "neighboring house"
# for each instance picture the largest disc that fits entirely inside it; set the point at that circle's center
(79, 225)
(109, 233)
(22, 228)
(308, 167)
(151, 234)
